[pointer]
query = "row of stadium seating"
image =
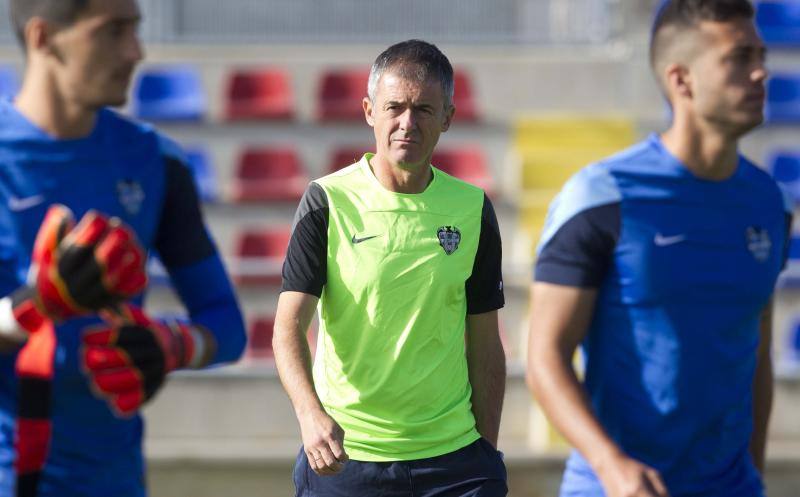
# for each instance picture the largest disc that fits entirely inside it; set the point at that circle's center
(176, 94)
(277, 174)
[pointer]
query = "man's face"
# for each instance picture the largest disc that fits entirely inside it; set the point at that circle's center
(728, 76)
(407, 117)
(94, 57)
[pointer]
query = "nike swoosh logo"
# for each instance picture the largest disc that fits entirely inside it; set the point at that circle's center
(359, 240)
(662, 241)
(20, 204)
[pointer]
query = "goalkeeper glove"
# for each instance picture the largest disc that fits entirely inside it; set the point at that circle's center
(78, 270)
(127, 359)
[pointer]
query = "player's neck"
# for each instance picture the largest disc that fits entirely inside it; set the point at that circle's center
(707, 153)
(41, 103)
(399, 180)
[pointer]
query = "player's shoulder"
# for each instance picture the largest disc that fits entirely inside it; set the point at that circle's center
(591, 186)
(457, 186)
(761, 183)
(127, 129)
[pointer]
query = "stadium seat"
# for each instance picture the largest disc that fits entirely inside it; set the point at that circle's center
(170, 93)
(9, 82)
(794, 249)
(783, 98)
(779, 22)
(550, 149)
(785, 168)
(463, 98)
(345, 156)
(259, 338)
(269, 174)
(466, 163)
(341, 93)
(205, 177)
(259, 256)
(259, 95)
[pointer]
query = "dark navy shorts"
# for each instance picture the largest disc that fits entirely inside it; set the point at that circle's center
(476, 470)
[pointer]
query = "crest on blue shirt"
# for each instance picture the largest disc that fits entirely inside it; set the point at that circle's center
(449, 238)
(131, 195)
(758, 243)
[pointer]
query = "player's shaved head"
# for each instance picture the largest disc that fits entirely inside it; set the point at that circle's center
(416, 60)
(675, 31)
(56, 11)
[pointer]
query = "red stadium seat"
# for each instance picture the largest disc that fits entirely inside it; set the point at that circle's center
(463, 99)
(269, 174)
(259, 338)
(260, 255)
(466, 163)
(341, 93)
(344, 156)
(259, 94)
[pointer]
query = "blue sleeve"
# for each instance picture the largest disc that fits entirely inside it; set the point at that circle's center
(581, 231)
(207, 293)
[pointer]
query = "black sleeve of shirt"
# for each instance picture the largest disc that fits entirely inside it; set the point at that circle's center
(580, 252)
(306, 266)
(484, 287)
(181, 238)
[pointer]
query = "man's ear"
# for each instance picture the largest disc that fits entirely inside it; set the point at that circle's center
(38, 34)
(678, 81)
(366, 103)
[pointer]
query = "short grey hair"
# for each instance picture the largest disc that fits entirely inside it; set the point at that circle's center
(413, 59)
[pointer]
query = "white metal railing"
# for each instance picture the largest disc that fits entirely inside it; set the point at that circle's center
(378, 21)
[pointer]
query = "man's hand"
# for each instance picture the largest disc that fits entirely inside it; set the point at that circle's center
(78, 270)
(625, 477)
(323, 442)
(128, 358)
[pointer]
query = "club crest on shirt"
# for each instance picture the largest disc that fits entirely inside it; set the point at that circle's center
(758, 243)
(131, 195)
(449, 238)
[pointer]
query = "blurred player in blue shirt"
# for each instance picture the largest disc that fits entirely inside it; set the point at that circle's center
(661, 262)
(59, 144)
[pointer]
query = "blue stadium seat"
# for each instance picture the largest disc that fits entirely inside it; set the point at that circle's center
(779, 22)
(173, 93)
(204, 174)
(783, 98)
(9, 82)
(785, 168)
(794, 249)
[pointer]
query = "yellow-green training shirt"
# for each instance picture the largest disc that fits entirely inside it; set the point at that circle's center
(396, 275)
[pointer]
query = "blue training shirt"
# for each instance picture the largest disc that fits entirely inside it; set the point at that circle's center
(683, 267)
(122, 169)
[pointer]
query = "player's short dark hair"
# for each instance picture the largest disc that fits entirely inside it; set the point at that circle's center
(416, 59)
(686, 14)
(58, 11)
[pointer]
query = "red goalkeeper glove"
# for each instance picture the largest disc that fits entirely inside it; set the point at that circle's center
(127, 359)
(78, 270)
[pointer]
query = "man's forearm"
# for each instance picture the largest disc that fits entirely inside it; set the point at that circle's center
(487, 376)
(558, 391)
(293, 361)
